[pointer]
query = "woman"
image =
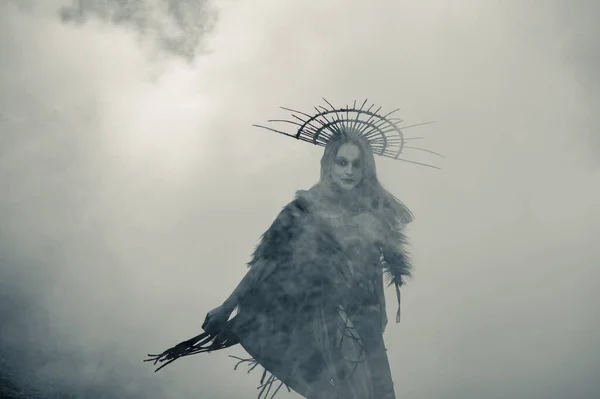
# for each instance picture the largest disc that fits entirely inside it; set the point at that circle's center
(311, 309)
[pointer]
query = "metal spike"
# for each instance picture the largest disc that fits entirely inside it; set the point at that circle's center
(391, 112)
(417, 163)
(415, 125)
(284, 121)
(275, 130)
(363, 104)
(298, 112)
(328, 103)
(424, 150)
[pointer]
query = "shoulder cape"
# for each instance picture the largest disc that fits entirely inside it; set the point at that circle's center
(276, 244)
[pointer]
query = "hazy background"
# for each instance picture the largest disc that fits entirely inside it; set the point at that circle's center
(133, 188)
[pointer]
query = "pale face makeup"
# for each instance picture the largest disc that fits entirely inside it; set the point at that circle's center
(346, 171)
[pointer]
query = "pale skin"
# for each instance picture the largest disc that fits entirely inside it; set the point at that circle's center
(346, 173)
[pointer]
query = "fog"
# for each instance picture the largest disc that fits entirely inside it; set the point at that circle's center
(133, 186)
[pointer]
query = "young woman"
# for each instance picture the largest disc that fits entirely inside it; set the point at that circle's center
(311, 309)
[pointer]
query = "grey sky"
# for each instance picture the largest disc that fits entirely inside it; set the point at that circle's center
(133, 187)
(177, 26)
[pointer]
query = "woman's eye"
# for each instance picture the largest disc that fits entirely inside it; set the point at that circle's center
(356, 164)
(341, 162)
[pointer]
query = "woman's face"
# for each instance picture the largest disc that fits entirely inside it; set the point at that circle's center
(346, 171)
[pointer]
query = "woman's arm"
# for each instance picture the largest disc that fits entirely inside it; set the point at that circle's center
(381, 295)
(218, 317)
(242, 288)
(397, 265)
(273, 248)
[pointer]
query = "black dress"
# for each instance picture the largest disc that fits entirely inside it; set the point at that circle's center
(314, 314)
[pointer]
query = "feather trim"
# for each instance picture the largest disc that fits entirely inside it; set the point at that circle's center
(397, 266)
(274, 243)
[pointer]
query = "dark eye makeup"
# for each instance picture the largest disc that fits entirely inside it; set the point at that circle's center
(344, 162)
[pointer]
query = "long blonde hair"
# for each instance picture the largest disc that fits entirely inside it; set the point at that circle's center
(369, 189)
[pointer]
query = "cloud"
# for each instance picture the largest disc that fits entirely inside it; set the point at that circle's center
(569, 32)
(178, 26)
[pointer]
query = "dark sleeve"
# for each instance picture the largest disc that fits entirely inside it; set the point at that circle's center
(379, 289)
(397, 265)
(284, 277)
(275, 243)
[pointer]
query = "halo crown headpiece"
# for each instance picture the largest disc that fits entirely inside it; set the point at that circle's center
(382, 132)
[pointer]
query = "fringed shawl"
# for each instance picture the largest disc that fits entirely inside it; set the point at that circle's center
(274, 304)
(276, 245)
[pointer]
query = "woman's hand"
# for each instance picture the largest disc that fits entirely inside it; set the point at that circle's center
(216, 319)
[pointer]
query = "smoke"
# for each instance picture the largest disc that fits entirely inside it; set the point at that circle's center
(177, 26)
(568, 30)
(64, 185)
(132, 188)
